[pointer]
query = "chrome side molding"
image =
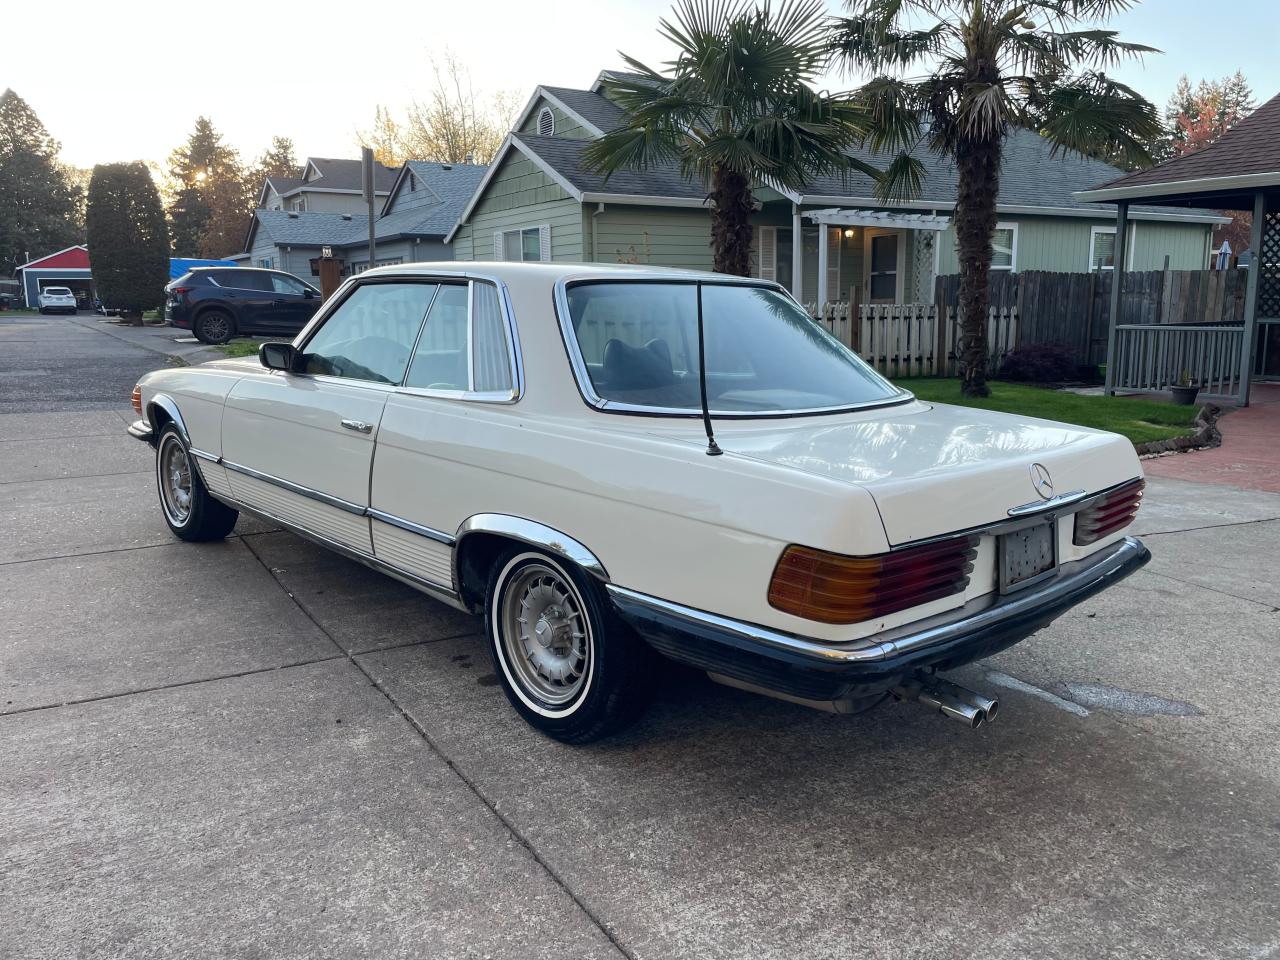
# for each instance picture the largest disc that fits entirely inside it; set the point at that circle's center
(431, 534)
(299, 489)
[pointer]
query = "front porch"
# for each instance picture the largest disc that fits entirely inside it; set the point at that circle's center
(848, 255)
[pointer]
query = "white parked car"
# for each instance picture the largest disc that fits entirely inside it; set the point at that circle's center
(532, 442)
(56, 300)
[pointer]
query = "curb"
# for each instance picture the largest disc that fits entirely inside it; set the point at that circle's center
(1207, 435)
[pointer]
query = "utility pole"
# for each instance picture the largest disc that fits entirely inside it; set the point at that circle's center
(366, 158)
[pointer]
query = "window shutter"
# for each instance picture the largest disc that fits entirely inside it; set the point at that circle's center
(833, 265)
(768, 247)
(544, 244)
(497, 245)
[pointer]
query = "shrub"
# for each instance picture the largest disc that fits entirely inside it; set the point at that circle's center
(1040, 363)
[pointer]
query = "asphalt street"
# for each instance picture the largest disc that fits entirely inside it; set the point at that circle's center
(258, 749)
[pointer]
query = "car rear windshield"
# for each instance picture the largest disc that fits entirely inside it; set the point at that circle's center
(58, 291)
(638, 345)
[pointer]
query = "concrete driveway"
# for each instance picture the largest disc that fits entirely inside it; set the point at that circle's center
(257, 749)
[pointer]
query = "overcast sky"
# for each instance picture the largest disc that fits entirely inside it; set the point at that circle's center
(125, 80)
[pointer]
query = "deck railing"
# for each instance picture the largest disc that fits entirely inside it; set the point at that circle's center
(1157, 356)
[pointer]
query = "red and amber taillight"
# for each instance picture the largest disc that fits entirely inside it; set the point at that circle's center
(137, 400)
(833, 588)
(1109, 513)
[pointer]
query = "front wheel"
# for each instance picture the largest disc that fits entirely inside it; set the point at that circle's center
(567, 664)
(191, 513)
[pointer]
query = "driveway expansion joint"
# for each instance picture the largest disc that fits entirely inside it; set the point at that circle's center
(435, 748)
(165, 686)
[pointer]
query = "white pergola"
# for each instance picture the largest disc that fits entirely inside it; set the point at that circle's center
(840, 217)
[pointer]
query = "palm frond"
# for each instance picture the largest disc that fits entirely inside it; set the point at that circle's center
(901, 180)
(1098, 116)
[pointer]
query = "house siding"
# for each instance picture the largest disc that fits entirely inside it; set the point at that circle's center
(650, 235)
(565, 125)
(1061, 244)
(351, 203)
(521, 195)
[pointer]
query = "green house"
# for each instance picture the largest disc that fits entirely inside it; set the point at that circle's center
(834, 240)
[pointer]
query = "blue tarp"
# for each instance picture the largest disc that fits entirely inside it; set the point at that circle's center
(180, 265)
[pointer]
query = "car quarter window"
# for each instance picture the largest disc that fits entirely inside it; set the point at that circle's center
(371, 334)
(283, 284)
(443, 359)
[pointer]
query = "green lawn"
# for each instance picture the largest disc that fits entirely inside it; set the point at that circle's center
(1139, 420)
(240, 348)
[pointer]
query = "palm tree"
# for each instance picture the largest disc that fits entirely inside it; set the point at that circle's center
(986, 67)
(736, 108)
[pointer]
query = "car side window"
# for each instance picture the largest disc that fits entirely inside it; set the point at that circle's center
(252, 280)
(287, 285)
(441, 359)
(370, 335)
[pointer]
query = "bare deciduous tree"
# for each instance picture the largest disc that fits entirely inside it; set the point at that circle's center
(452, 124)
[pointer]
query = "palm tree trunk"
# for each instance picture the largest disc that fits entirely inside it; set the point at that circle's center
(978, 167)
(731, 222)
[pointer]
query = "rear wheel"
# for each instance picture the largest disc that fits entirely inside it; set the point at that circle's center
(568, 665)
(214, 326)
(191, 513)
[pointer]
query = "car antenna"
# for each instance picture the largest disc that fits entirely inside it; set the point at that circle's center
(713, 448)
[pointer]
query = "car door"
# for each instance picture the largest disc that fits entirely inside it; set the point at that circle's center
(299, 446)
(291, 307)
(443, 429)
(256, 299)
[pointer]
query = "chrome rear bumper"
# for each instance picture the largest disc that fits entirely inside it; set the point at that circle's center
(802, 666)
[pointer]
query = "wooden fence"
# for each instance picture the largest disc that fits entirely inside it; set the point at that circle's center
(907, 339)
(1075, 308)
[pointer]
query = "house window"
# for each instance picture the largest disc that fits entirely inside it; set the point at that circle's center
(267, 263)
(1004, 247)
(299, 204)
(530, 244)
(546, 122)
(1102, 247)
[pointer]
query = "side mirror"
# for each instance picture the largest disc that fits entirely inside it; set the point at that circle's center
(275, 355)
(308, 293)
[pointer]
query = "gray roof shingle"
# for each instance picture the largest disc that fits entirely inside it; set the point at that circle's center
(452, 183)
(1031, 175)
(565, 157)
(308, 229)
(342, 174)
(592, 107)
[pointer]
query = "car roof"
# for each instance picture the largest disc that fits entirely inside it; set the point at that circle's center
(552, 272)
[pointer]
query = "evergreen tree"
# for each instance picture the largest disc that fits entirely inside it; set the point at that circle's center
(128, 238)
(278, 160)
(212, 195)
(39, 199)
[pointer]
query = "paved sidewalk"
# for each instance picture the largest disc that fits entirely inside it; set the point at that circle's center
(1250, 453)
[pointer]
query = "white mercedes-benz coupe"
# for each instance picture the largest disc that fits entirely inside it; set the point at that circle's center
(618, 465)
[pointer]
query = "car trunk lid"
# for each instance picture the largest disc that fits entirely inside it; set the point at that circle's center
(934, 468)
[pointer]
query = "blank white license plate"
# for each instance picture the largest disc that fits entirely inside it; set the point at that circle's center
(1027, 554)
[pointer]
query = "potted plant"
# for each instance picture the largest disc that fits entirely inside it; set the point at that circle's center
(1184, 391)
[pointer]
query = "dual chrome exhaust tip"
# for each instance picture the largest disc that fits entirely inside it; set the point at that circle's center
(950, 699)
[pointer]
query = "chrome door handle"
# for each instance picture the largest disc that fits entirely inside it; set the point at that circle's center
(359, 426)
